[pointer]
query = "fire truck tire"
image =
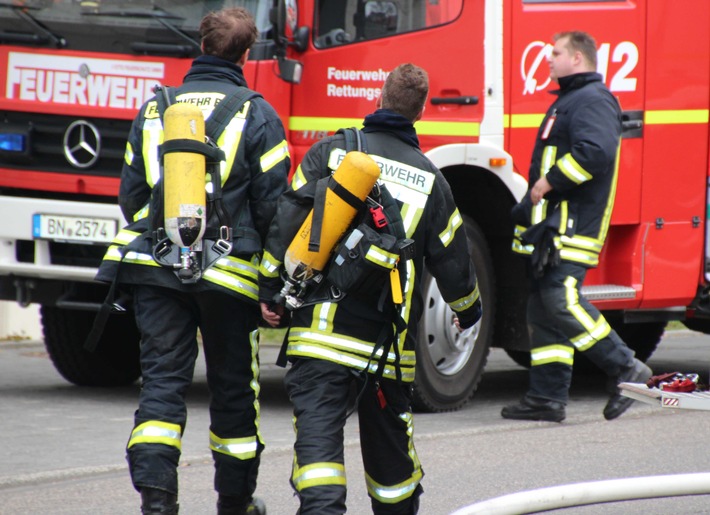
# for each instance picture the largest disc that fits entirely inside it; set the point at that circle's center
(115, 362)
(450, 367)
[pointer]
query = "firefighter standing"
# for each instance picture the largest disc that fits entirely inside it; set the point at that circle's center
(223, 303)
(561, 224)
(334, 343)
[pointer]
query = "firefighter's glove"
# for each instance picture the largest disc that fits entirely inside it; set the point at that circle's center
(546, 253)
(469, 317)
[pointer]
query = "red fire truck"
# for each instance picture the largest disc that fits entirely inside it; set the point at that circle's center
(76, 71)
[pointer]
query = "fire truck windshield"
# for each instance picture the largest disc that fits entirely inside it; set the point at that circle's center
(138, 27)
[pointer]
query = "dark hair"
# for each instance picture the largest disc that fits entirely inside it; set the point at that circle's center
(228, 33)
(582, 42)
(405, 90)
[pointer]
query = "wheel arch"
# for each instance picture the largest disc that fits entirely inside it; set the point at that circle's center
(487, 194)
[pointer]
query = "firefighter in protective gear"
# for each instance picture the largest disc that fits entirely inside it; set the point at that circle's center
(561, 225)
(335, 342)
(223, 304)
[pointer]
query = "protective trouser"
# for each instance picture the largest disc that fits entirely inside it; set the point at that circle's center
(560, 322)
(168, 321)
(319, 391)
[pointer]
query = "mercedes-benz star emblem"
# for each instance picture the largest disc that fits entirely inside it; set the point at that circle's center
(82, 144)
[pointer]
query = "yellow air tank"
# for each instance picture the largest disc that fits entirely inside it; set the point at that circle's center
(184, 177)
(357, 173)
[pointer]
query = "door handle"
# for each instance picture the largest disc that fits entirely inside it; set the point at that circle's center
(465, 100)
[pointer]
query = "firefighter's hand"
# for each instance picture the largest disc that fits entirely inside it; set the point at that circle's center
(272, 314)
(539, 190)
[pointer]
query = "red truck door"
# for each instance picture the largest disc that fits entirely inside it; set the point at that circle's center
(353, 46)
(619, 28)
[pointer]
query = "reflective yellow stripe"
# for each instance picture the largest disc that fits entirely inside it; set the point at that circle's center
(552, 354)
(233, 282)
(318, 474)
(129, 155)
(155, 431)
(391, 494)
(523, 121)
(676, 116)
(274, 156)
(323, 317)
(579, 256)
(594, 330)
(569, 166)
(240, 448)
(464, 302)
(235, 265)
(655, 117)
(455, 221)
(298, 180)
(269, 266)
(431, 128)
(381, 257)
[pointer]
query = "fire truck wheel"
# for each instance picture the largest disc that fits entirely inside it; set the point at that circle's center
(450, 366)
(115, 361)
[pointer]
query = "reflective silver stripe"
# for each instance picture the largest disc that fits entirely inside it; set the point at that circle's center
(552, 354)
(269, 265)
(381, 257)
(232, 282)
(455, 221)
(391, 494)
(316, 351)
(240, 448)
(152, 137)
(464, 302)
(274, 156)
(319, 474)
(572, 169)
(128, 155)
(298, 180)
(155, 431)
(361, 347)
(235, 265)
(591, 244)
(594, 330)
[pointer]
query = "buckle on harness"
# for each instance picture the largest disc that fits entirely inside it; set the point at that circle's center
(377, 213)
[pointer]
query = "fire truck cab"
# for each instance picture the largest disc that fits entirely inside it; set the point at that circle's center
(69, 98)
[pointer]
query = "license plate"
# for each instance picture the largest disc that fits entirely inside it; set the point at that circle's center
(74, 228)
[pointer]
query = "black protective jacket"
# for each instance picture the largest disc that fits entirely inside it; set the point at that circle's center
(253, 177)
(347, 331)
(577, 150)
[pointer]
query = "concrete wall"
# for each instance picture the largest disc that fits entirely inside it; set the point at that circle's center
(18, 323)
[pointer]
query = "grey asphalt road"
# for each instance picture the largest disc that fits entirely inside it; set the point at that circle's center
(62, 447)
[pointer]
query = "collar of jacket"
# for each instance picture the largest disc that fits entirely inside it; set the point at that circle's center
(385, 120)
(209, 67)
(576, 81)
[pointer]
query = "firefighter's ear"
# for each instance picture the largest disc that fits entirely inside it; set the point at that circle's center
(243, 60)
(378, 102)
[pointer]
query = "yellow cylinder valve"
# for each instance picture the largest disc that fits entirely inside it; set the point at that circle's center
(184, 177)
(357, 173)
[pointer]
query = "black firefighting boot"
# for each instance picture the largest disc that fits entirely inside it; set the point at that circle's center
(158, 502)
(533, 408)
(618, 404)
(227, 505)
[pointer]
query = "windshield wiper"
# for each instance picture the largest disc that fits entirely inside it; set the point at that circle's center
(42, 34)
(160, 16)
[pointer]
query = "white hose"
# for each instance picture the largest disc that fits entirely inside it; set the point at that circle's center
(595, 492)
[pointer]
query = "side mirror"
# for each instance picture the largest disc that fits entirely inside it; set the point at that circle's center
(290, 70)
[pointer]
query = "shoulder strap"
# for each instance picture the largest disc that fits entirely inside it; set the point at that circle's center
(226, 109)
(354, 139)
(165, 97)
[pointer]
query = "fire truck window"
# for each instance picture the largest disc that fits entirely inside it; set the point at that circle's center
(351, 21)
